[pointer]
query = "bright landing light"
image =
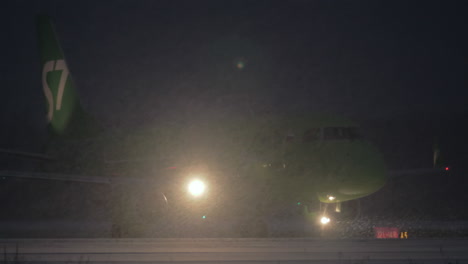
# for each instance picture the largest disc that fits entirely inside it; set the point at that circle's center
(324, 220)
(196, 187)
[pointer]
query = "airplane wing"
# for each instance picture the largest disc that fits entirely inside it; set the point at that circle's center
(25, 154)
(73, 177)
(416, 172)
(55, 176)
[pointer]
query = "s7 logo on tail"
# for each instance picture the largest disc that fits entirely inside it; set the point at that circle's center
(49, 66)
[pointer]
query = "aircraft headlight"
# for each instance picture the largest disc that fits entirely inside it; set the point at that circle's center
(196, 187)
(331, 197)
(324, 220)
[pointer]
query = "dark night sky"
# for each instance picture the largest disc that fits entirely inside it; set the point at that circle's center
(136, 60)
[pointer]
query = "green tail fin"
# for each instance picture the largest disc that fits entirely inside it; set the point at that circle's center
(64, 112)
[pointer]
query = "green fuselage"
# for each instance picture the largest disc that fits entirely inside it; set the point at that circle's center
(283, 157)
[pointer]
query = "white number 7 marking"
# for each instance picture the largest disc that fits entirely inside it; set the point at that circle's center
(48, 67)
(60, 65)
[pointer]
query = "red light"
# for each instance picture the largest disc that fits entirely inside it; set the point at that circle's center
(447, 168)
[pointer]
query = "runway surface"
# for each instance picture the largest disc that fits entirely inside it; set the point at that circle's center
(233, 251)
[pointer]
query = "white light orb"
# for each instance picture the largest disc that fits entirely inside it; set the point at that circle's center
(324, 220)
(196, 188)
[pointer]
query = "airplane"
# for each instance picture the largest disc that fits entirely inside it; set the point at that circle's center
(220, 166)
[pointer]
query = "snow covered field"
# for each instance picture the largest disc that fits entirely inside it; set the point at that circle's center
(234, 251)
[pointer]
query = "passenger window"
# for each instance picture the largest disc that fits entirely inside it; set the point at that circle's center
(334, 133)
(311, 135)
(331, 133)
(352, 133)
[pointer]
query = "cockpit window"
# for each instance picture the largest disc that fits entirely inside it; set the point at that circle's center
(333, 133)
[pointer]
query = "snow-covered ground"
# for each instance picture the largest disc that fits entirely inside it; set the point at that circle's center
(235, 251)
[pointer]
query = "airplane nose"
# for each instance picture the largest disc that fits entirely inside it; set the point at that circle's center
(353, 174)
